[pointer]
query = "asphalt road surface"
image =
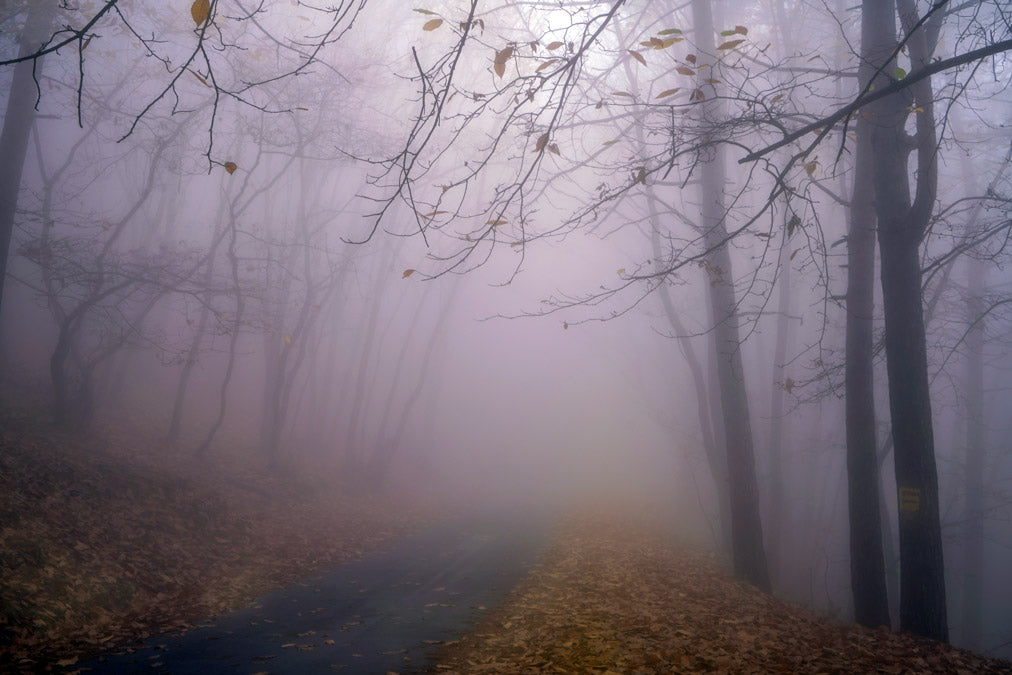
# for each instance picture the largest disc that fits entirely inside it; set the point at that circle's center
(384, 612)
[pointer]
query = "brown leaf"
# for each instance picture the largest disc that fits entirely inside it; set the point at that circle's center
(432, 24)
(200, 10)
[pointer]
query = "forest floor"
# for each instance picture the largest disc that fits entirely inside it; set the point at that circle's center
(616, 594)
(102, 545)
(104, 542)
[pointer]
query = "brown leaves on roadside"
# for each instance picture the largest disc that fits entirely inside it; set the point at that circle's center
(614, 595)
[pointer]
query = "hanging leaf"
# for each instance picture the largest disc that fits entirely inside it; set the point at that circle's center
(200, 10)
(621, 271)
(432, 24)
(697, 95)
(670, 41)
(542, 141)
(730, 44)
(426, 12)
(230, 167)
(725, 33)
(691, 58)
(607, 143)
(288, 338)
(793, 224)
(810, 167)
(565, 325)
(554, 45)
(670, 31)
(669, 92)
(202, 80)
(544, 65)
(497, 222)
(640, 176)
(741, 30)
(638, 57)
(685, 70)
(554, 149)
(788, 385)
(501, 57)
(899, 73)
(407, 273)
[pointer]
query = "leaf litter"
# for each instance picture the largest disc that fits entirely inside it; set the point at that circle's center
(618, 594)
(108, 541)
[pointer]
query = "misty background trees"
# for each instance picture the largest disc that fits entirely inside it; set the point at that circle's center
(280, 223)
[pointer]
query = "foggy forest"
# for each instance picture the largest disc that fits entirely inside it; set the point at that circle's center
(615, 336)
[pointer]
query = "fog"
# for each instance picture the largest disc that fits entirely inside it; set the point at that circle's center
(475, 259)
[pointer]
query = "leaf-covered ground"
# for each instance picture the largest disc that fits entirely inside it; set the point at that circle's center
(615, 595)
(104, 542)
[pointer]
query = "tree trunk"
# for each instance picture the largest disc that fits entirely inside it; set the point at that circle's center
(746, 528)
(18, 123)
(867, 563)
(902, 224)
(973, 552)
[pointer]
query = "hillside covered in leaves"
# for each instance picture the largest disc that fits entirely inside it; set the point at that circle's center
(107, 541)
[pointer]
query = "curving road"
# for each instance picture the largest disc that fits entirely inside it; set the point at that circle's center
(381, 613)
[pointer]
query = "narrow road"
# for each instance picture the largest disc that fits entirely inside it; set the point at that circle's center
(381, 613)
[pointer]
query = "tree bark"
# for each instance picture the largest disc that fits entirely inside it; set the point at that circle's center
(867, 563)
(748, 554)
(902, 223)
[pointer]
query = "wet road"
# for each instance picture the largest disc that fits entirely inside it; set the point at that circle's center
(384, 612)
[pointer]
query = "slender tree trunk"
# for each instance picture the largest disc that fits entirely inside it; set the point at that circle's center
(867, 564)
(748, 555)
(973, 552)
(18, 123)
(902, 223)
(775, 526)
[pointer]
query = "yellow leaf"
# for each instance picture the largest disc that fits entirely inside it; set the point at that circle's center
(730, 44)
(611, 142)
(407, 273)
(200, 10)
(230, 167)
(670, 41)
(621, 270)
(668, 92)
(432, 24)
(426, 11)
(288, 339)
(554, 45)
(638, 57)
(497, 222)
(202, 80)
